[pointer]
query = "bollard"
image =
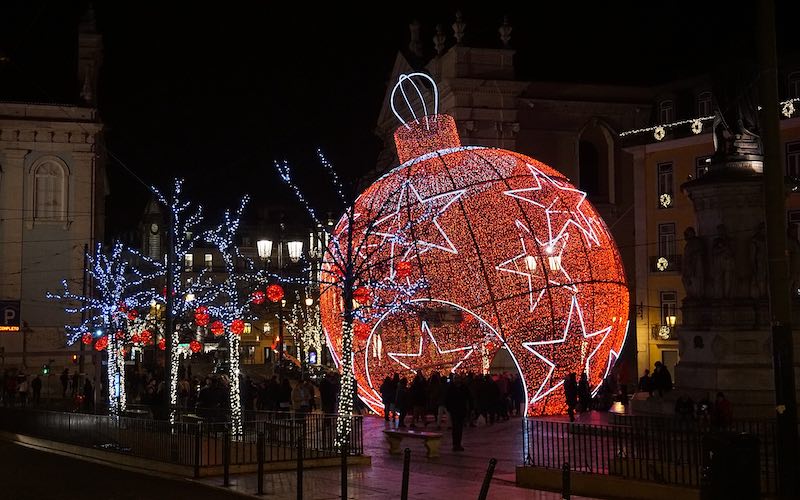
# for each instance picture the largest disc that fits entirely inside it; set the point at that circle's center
(487, 479)
(197, 443)
(260, 471)
(226, 458)
(343, 478)
(565, 486)
(300, 441)
(406, 464)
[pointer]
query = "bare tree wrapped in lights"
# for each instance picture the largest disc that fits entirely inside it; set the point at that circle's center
(305, 326)
(354, 264)
(232, 306)
(120, 289)
(185, 221)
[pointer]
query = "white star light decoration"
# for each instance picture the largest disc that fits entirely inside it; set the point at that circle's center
(425, 333)
(543, 267)
(584, 337)
(560, 216)
(404, 231)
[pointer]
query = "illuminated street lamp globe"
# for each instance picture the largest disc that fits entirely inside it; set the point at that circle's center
(517, 264)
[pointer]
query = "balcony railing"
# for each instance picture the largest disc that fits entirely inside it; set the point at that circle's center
(665, 263)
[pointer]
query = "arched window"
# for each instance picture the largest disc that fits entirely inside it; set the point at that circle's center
(49, 191)
(665, 111)
(704, 104)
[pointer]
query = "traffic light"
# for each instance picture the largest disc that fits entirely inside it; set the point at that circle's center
(74, 359)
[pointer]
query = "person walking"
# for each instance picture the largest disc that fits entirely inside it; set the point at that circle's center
(64, 382)
(456, 402)
(646, 382)
(88, 396)
(36, 386)
(584, 394)
(401, 402)
(662, 380)
(387, 396)
(22, 390)
(571, 394)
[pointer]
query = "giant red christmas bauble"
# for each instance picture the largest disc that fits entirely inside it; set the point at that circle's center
(516, 261)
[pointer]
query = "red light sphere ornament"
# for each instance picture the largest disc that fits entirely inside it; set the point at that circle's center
(217, 328)
(133, 314)
(195, 346)
(258, 297)
(237, 326)
(136, 338)
(275, 293)
(119, 335)
(362, 295)
(86, 338)
(101, 343)
(201, 316)
(162, 344)
(518, 267)
(402, 269)
(146, 336)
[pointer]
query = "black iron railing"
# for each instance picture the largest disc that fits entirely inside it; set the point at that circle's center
(194, 442)
(663, 450)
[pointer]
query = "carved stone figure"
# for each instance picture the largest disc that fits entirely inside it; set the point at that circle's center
(758, 261)
(505, 32)
(415, 43)
(439, 39)
(736, 131)
(459, 27)
(723, 264)
(693, 271)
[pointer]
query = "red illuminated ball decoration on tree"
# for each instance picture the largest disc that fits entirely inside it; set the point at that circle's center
(402, 269)
(275, 293)
(146, 336)
(195, 346)
(201, 316)
(162, 344)
(101, 343)
(237, 326)
(362, 295)
(136, 338)
(258, 297)
(86, 338)
(217, 328)
(517, 263)
(119, 335)
(133, 314)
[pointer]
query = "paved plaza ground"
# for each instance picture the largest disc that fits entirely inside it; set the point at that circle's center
(453, 476)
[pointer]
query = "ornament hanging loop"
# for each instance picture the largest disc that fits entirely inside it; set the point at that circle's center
(399, 86)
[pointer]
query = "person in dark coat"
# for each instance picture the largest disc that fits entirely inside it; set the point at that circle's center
(456, 401)
(584, 393)
(88, 396)
(646, 383)
(388, 392)
(517, 394)
(571, 394)
(662, 380)
(401, 401)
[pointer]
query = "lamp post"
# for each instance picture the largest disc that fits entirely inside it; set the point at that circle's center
(264, 250)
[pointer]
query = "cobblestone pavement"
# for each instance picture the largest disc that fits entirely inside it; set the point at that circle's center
(454, 475)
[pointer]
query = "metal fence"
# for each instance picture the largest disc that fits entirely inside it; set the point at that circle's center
(192, 443)
(645, 448)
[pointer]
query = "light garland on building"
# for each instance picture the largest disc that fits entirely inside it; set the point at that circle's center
(696, 124)
(119, 288)
(504, 254)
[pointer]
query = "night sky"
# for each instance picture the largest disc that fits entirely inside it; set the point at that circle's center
(215, 92)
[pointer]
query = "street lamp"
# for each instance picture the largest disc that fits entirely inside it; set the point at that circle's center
(671, 321)
(295, 250)
(264, 250)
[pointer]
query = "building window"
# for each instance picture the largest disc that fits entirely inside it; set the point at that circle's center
(794, 84)
(188, 262)
(666, 240)
(704, 104)
(793, 159)
(248, 328)
(669, 307)
(49, 191)
(794, 223)
(665, 190)
(665, 111)
(701, 166)
(208, 259)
